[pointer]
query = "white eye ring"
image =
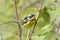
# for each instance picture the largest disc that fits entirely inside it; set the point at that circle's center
(28, 18)
(24, 20)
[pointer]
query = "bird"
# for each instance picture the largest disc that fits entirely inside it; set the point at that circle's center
(29, 20)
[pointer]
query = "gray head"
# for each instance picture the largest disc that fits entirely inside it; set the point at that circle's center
(30, 16)
(26, 19)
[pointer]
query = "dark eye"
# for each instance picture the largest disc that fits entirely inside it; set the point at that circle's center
(25, 18)
(30, 17)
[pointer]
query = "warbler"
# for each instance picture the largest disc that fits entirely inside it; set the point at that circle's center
(29, 20)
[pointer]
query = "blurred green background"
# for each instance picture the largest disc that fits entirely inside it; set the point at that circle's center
(45, 27)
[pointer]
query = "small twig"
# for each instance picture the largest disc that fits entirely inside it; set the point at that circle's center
(18, 25)
(30, 34)
(8, 22)
(28, 31)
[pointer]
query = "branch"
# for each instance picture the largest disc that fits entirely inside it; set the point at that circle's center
(18, 25)
(30, 34)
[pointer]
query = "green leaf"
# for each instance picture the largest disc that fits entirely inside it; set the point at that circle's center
(46, 15)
